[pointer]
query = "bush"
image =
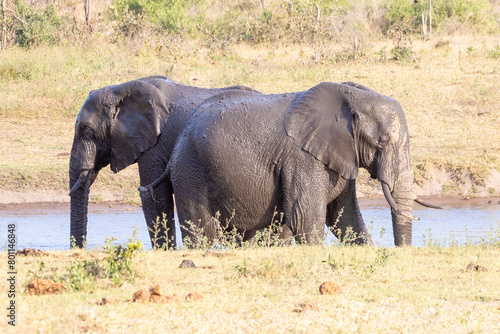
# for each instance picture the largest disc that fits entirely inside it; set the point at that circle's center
(38, 26)
(406, 15)
(171, 16)
(117, 266)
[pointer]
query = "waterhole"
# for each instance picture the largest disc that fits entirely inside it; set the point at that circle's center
(47, 226)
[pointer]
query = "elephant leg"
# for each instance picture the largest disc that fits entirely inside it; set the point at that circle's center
(198, 226)
(159, 213)
(286, 235)
(344, 217)
(304, 205)
(158, 206)
(280, 236)
(306, 221)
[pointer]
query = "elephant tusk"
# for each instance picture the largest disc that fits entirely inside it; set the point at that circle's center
(79, 182)
(392, 203)
(408, 216)
(388, 196)
(424, 203)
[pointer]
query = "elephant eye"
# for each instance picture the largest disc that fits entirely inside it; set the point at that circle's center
(88, 132)
(383, 140)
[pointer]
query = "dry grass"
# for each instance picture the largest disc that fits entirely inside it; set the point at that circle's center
(276, 290)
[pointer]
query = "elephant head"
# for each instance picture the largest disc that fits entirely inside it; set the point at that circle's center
(116, 124)
(347, 126)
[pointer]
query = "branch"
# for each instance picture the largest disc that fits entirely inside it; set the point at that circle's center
(15, 16)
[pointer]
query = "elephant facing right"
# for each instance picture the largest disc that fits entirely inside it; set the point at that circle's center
(244, 156)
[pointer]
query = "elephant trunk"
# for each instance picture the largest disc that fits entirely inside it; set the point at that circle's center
(401, 198)
(402, 216)
(80, 180)
(79, 204)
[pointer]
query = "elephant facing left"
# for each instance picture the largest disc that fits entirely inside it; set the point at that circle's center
(137, 121)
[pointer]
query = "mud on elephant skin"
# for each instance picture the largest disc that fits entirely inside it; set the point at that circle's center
(137, 121)
(298, 153)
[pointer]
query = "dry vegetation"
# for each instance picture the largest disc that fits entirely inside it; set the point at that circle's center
(274, 290)
(447, 82)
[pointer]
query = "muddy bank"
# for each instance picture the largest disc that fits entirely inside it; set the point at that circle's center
(378, 201)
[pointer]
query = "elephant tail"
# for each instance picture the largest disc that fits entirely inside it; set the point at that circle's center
(148, 189)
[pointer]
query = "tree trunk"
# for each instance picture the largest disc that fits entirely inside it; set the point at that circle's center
(88, 11)
(430, 16)
(3, 42)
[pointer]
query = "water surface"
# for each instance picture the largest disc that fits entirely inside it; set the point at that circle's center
(47, 227)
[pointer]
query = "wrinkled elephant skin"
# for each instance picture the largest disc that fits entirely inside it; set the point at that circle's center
(245, 156)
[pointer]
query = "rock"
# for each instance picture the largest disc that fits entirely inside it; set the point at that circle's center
(155, 290)
(329, 288)
(162, 299)
(304, 307)
(44, 287)
(187, 264)
(475, 267)
(217, 254)
(141, 296)
(193, 296)
(207, 267)
(109, 300)
(153, 295)
(31, 252)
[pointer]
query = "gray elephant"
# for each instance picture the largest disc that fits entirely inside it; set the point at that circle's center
(137, 121)
(249, 155)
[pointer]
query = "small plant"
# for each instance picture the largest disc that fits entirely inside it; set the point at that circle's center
(242, 269)
(39, 272)
(382, 232)
(119, 261)
(79, 279)
(346, 238)
(382, 54)
(214, 235)
(266, 269)
(383, 255)
(424, 237)
(495, 54)
(270, 236)
(73, 242)
(381, 259)
(160, 225)
(401, 53)
(335, 264)
(493, 236)
(117, 266)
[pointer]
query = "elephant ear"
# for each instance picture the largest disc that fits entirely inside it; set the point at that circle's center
(137, 113)
(321, 122)
(358, 86)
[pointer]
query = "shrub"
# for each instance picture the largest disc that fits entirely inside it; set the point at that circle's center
(117, 266)
(38, 26)
(171, 16)
(406, 15)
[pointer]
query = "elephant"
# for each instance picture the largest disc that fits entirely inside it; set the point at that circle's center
(243, 156)
(136, 121)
